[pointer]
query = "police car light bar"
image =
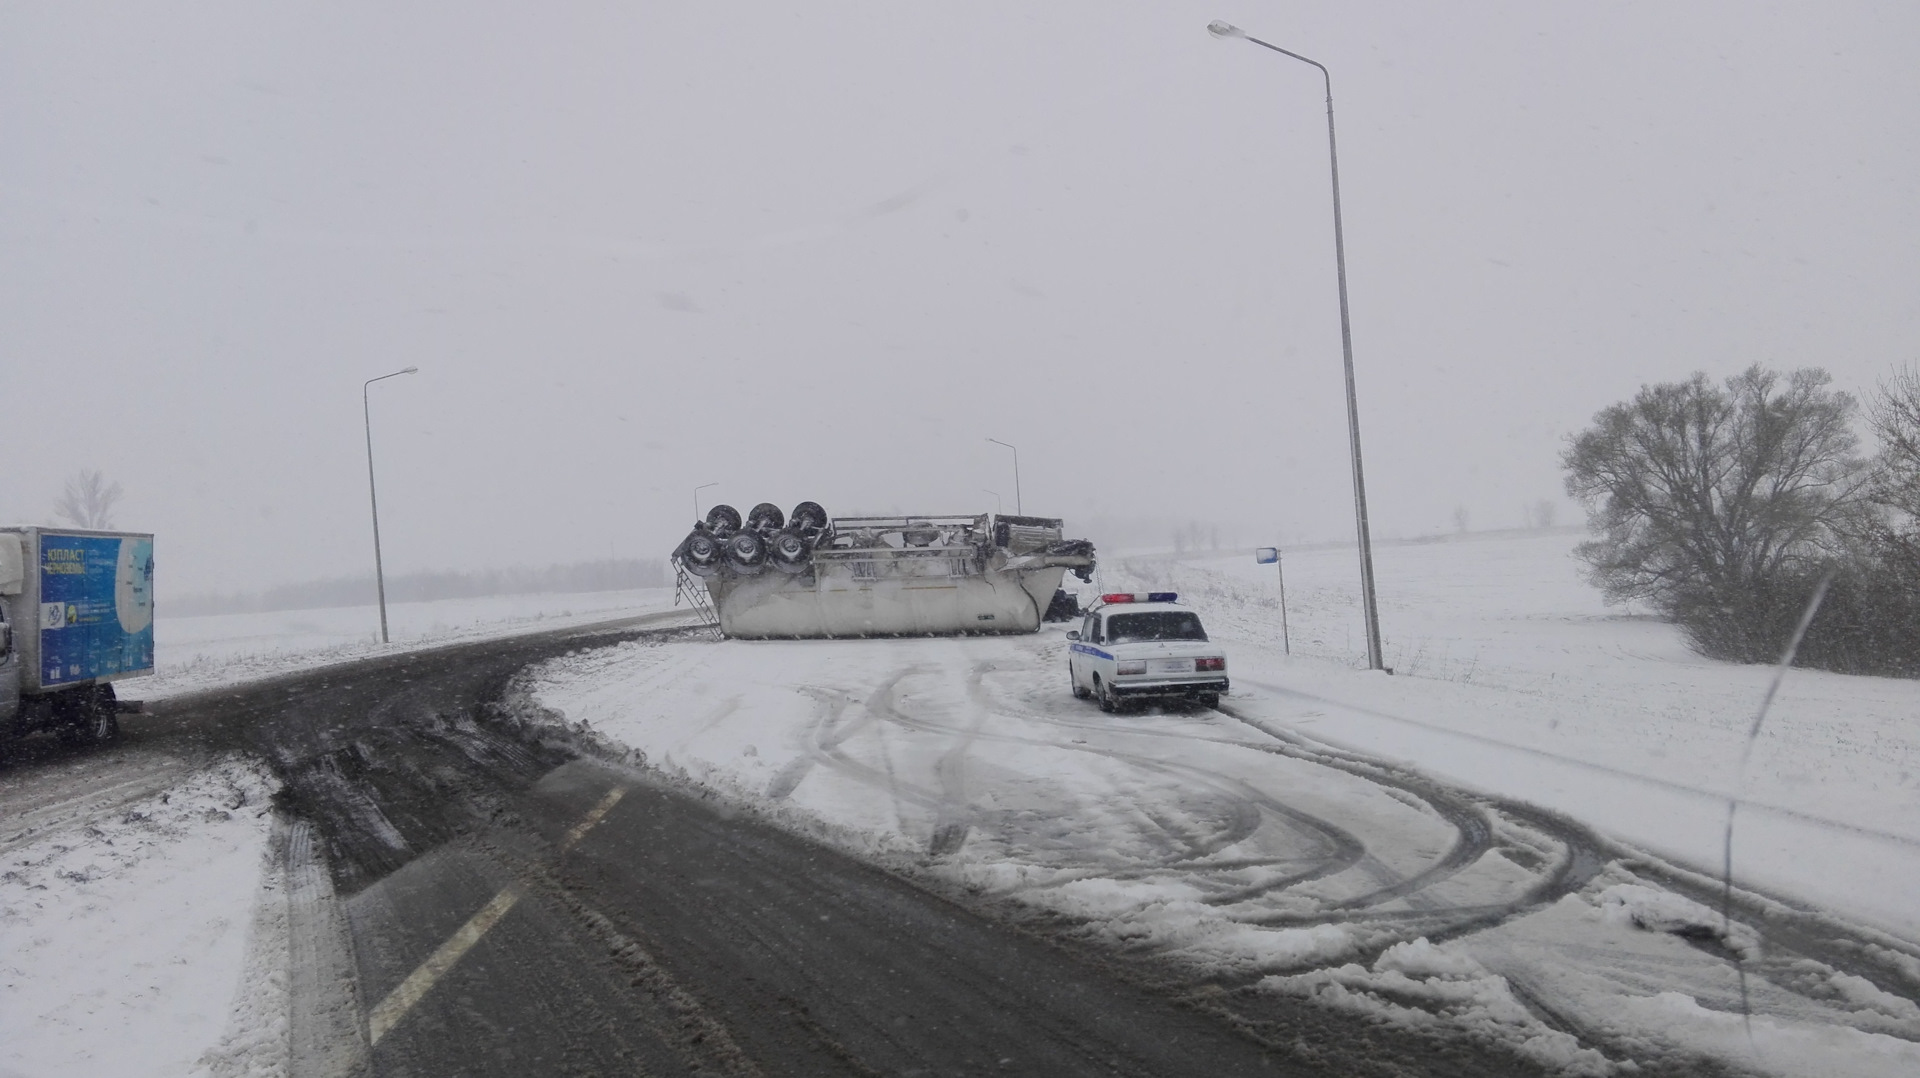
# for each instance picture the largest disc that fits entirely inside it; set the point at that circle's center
(1141, 597)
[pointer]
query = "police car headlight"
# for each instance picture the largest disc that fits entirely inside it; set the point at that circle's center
(1138, 666)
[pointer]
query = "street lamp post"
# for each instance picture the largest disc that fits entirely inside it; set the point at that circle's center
(696, 497)
(373, 497)
(1016, 473)
(1371, 608)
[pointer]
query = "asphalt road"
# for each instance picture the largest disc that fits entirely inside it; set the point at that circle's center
(501, 902)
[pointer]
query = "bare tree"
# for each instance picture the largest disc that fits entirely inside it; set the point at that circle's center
(1894, 415)
(88, 500)
(1890, 534)
(1699, 493)
(1539, 513)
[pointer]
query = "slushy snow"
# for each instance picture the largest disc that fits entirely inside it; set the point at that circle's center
(1292, 840)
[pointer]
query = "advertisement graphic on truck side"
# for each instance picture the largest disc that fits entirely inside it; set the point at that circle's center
(96, 606)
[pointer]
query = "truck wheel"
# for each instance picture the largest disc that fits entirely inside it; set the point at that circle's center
(105, 724)
(1107, 702)
(1078, 692)
(87, 716)
(766, 517)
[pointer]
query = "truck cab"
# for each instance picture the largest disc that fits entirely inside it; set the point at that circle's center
(1144, 645)
(9, 669)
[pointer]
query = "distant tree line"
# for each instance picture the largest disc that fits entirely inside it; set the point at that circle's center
(1196, 535)
(609, 575)
(1723, 506)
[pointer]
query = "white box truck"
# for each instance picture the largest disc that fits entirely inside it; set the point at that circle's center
(76, 615)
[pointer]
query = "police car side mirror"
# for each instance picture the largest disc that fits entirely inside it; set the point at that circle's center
(1073, 634)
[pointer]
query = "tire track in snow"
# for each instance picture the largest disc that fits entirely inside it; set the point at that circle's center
(1579, 860)
(1338, 849)
(1190, 848)
(715, 715)
(71, 794)
(829, 733)
(956, 813)
(789, 777)
(1588, 765)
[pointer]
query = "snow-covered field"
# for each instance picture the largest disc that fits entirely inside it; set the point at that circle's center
(143, 906)
(1252, 843)
(217, 649)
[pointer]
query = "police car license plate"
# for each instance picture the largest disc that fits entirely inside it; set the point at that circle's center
(1170, 666)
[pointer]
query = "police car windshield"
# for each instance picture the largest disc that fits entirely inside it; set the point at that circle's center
(1159, 625)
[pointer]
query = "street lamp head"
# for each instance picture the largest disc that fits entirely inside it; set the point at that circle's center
(1224, 29)
(411, 370)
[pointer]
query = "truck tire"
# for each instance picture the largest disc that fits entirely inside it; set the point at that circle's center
(701, 553)
(807, 516)
(790, 552)
(87, 716)
(722, 519)
(746, 552)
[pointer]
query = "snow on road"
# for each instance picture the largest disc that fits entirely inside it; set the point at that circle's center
(1254, 845)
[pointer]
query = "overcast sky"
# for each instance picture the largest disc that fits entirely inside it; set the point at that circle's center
(825, 251)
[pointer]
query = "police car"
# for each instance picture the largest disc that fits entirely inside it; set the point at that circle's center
(1138, 645)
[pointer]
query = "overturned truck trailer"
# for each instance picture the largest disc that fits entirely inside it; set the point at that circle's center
(810, 576)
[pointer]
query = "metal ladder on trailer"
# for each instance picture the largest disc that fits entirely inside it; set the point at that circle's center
(691, 589)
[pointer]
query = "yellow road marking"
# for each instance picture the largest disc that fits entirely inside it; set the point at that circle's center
(593, 817)
(401, 1000)
(418, 983)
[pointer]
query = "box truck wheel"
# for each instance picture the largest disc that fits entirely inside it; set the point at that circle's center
(87, 716)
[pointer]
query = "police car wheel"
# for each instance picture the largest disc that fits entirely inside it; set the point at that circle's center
(1108, 703)
(1209, 699)
(1078, 692)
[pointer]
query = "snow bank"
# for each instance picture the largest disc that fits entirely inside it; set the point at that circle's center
(1416, 985)
(1663, 911)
